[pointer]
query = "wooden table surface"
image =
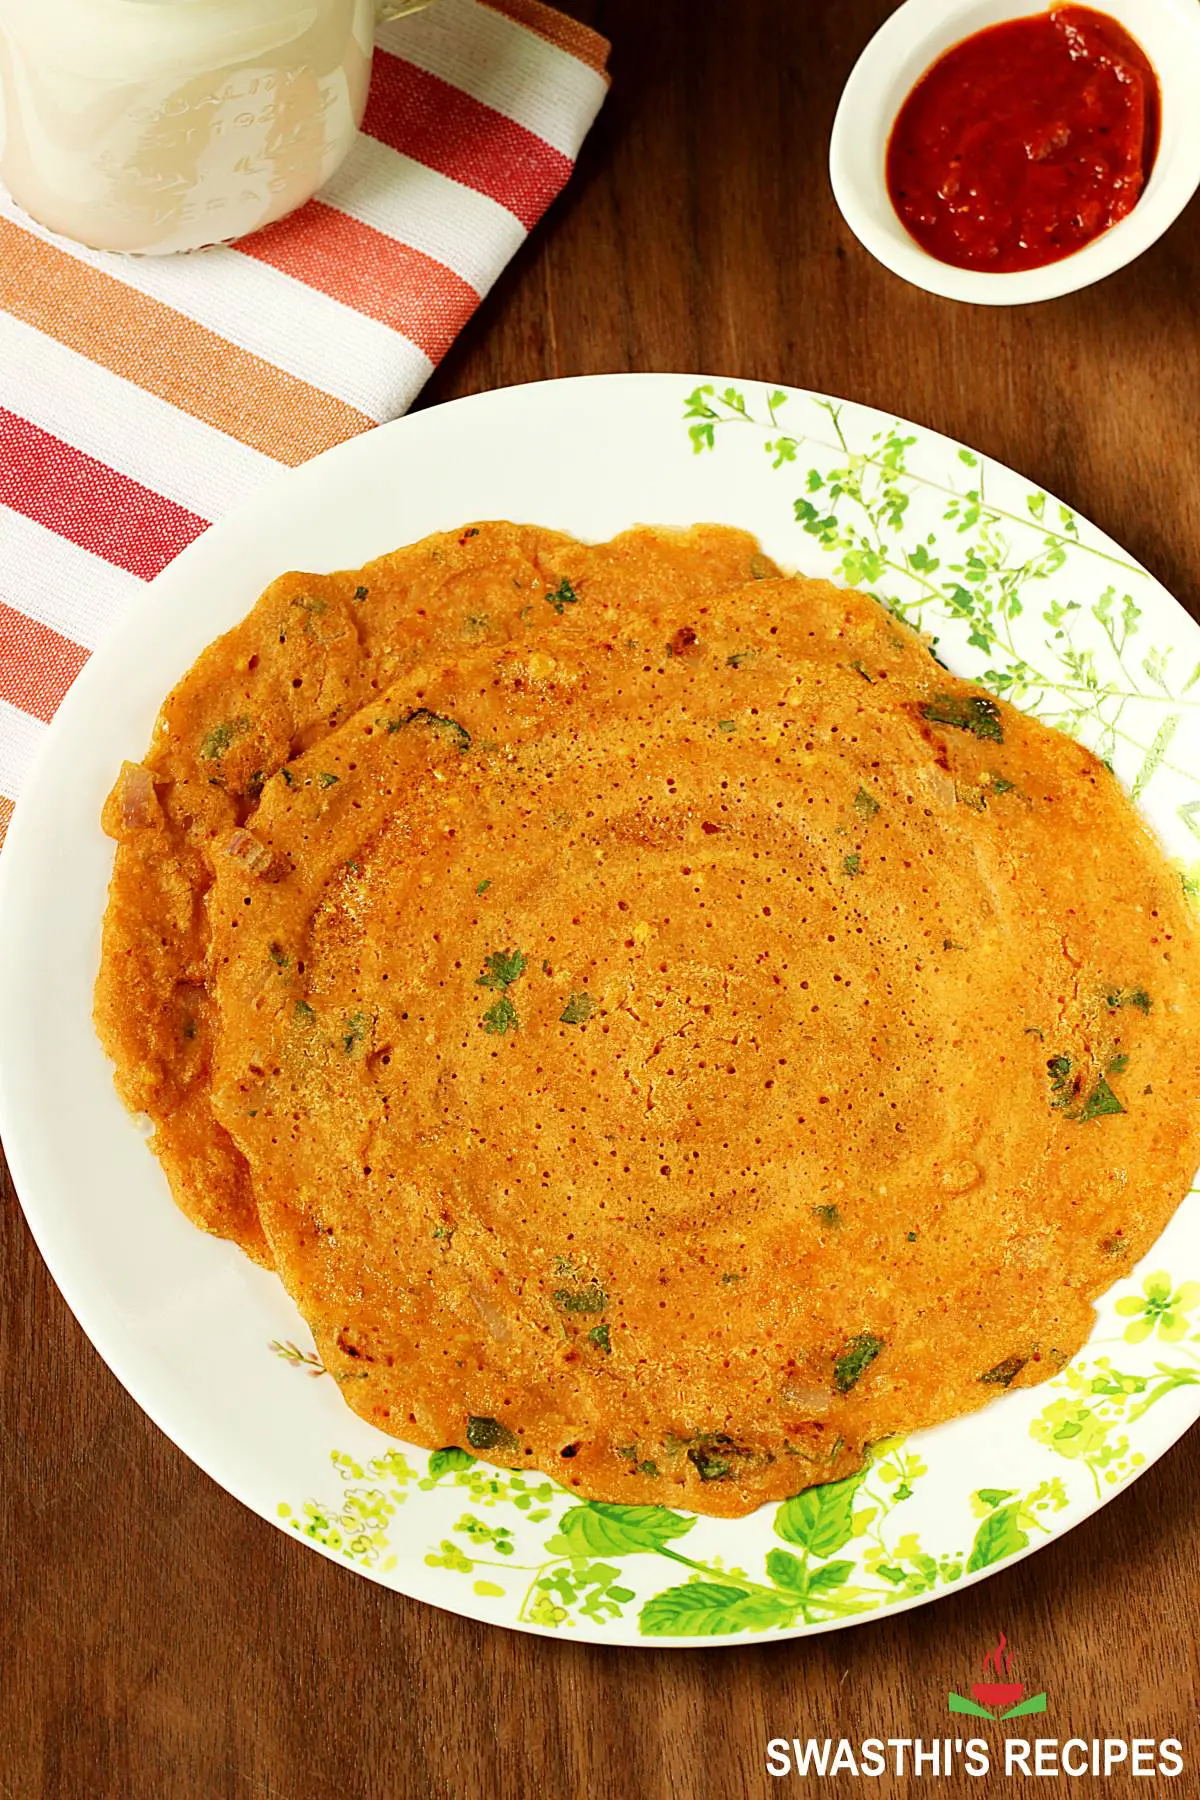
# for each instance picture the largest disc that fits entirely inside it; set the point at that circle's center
(157, 1641)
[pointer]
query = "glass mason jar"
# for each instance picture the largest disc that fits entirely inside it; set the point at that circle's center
(161, 125)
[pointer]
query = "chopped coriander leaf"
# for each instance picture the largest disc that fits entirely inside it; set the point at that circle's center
(443, 1233)
(856, 1357)
(860, 670)
(1004, 1373)
(1059, 1070)
(254, 786)
(326, 779)
(288, 778)
(189, 1029)
(1137, 997)
(590, 1299)
(709, 1465)
(578, 1010)
(726, 725)
(740, 658)
(564, 1268)
(217, 741)
(490, 1434)
(501, 969)
(949, 944)
(912, 1237)
(304, 1011)
(278, 955)
(828, 1215)
(628, 1450)
(1000, 785)
(312, 606)
(545, 965)
(852, 864)
(360, 593)
(865, 805)
(449, 728)
(975, 713)
(649, 1469)
(1118, 1065)
(563, 595)
(598, 1335)
(353, 866)
(483, 887)
(356, 1030)
(472, 532)
(1099, 1102)
(501, 1018)
(728, 1279)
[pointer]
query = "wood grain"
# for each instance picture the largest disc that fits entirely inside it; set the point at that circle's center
(157, 1640)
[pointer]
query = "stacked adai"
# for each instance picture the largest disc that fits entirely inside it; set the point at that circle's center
(662, 1028)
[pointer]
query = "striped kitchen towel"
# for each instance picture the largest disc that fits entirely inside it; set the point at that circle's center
(140, 397)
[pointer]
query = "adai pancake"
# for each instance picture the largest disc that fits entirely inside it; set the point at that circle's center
(683, 1046)
(312, 651)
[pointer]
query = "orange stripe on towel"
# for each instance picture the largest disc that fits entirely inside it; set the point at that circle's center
(569, 34)
(168, 354)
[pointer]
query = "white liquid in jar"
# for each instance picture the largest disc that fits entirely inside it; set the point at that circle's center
(162, 125)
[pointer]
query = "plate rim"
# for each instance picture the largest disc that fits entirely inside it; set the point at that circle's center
(21, 852)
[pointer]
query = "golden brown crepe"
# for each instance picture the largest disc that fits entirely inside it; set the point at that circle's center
(314, 649)
(672, 1034)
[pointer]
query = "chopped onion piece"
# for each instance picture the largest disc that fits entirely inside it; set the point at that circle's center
(251, 850)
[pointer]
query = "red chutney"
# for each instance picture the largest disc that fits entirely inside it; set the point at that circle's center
(1026, 141)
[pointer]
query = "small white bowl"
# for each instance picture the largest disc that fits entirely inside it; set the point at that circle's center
(894, 61)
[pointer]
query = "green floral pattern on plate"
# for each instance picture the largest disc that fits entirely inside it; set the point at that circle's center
(1159, 1308)
(996, 588)
(1014, 590)
(835, 1553)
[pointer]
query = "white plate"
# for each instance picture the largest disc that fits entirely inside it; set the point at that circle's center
(1019, 592)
